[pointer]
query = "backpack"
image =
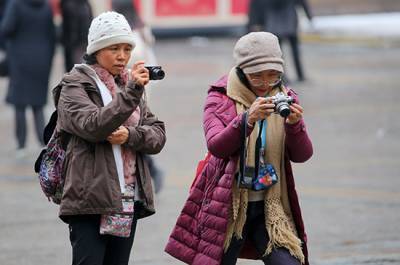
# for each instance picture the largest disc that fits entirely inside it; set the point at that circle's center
(49, 164)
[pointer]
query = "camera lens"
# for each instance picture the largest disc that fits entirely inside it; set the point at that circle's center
(283, 109)
(155, 72)
(158, 74)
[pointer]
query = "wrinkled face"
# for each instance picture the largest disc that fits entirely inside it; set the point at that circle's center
(114, 58)
(263, 82)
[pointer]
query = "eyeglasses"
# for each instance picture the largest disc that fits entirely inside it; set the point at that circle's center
(257, 82)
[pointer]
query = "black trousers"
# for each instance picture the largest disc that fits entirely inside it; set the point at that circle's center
(294, 46)
(73, 55)
(255, 231)
(20, 124)
(91, 248)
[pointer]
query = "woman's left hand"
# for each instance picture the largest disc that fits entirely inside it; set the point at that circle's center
(296, 114)
(119, 136)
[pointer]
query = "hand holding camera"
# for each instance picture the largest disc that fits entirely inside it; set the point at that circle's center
(139, 74)
(260, 109)
(282, 104)
(287, 108)
(296, 114)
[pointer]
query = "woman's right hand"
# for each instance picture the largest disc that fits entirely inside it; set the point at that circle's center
(139, 74)
(260, 109)
(119, 136)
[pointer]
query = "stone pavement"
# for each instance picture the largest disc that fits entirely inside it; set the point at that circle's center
(349, 190)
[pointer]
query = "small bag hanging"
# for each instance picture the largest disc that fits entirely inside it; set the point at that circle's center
(50, 162)
(120, 224)
(262, 176)
(50, 170)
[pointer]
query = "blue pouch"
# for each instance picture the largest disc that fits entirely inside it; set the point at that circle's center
(266, 177)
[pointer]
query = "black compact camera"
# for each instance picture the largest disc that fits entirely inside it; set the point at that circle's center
(246, 181)
(155, 72)
(282, 103)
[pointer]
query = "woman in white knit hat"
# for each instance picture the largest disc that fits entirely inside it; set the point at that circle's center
(243, 203)
(108, 127)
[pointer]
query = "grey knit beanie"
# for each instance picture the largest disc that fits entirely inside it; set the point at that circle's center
(107, 29)
(258, 51)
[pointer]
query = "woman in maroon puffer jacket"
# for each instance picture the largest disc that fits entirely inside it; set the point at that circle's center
(221, 222)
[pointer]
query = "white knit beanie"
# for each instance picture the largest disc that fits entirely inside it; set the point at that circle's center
(107, 29)
(258, 51)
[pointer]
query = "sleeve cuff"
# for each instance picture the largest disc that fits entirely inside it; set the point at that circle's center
(132, 85)
(133, 136)
(295, 128)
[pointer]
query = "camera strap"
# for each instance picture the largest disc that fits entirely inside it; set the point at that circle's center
(263, 125)
(261, 141)
(243, 134)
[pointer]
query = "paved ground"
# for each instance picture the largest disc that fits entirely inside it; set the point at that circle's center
(349, 190)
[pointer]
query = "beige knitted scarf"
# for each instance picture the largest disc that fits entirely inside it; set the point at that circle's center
(278, 217)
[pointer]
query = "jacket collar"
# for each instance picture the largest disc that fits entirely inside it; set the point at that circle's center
(75, 76)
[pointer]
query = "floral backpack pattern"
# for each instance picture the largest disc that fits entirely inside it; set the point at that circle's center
(50, 172)
(50, 162)
(120, 224)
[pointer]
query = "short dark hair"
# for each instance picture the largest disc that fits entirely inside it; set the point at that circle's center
(90, 59)
(242, 77)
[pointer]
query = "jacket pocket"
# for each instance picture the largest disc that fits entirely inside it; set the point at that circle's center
(80, 168)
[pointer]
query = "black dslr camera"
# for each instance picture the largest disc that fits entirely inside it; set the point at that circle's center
(155, 72)
(282, 103)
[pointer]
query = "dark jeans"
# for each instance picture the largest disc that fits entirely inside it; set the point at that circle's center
(255, 231)
(91, 248)
(20, 124)
(294, 46)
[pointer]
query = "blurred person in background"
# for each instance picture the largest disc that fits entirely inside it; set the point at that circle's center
(107, 182)
(142, 32)
(144, 40)
(3, 4)
(256, 15)
(3, 58)
(221, 221)
(29, 32)
(280, 18)
(76, 18)
(129, 10)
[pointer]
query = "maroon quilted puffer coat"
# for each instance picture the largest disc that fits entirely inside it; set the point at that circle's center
(200, 231)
